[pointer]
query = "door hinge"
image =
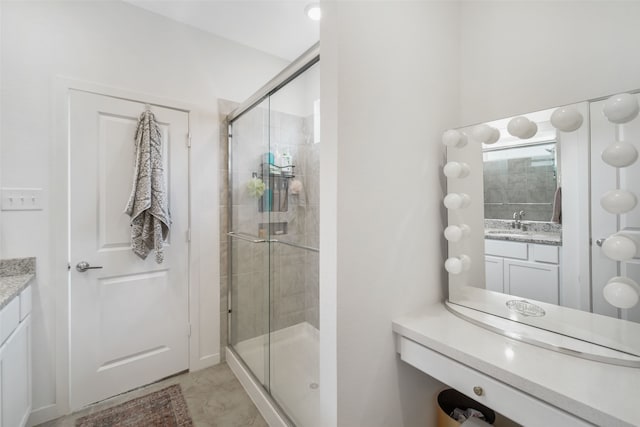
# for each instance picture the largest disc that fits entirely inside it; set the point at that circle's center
(189, 140)
(189, 329)
(188, 235)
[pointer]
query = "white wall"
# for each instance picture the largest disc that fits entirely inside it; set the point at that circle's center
(389, 88)
(113, 44)
(524, 56)
(1, 121)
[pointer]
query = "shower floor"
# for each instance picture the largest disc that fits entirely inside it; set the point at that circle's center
(294, 370)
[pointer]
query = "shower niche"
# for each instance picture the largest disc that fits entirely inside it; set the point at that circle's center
(273, 320)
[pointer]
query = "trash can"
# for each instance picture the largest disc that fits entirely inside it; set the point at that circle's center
(450, 399)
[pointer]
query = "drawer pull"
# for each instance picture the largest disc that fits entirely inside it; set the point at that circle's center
(478, 391)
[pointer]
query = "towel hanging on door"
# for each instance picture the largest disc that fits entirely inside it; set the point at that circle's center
(148, 203)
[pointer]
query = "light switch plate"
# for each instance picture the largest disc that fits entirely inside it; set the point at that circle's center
(22, 199)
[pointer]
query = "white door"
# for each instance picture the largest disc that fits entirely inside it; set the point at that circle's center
(603, 179)
(128, 319)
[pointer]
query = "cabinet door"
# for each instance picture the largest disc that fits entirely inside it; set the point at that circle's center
(532, 280)
(15, 377)
(494, 273)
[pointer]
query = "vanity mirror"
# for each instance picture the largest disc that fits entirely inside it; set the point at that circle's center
(543, 227)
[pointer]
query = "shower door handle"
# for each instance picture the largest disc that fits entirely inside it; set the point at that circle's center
(246, 238)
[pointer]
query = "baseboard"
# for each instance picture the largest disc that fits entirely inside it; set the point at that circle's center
(43, 414)
(255, 391)
(204, 362)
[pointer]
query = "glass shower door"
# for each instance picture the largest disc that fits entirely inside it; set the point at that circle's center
(294, 261)
(249, 247)
(274, 258)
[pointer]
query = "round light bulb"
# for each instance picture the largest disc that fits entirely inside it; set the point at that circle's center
(618, 201)
(531, 131)
(621, 108)
(485, 134)
(453, 233)
(495, 137)
(621, 292)
(619, 248)
(481, 133)
(620, 154)
(453, 265)
(454, 138)
(457, 200)
(313, 11)
(456, 170)
(456, 265)
(519, 126)
(453, 201)
(566, 119)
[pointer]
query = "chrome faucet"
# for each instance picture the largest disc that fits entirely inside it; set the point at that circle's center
(517, 220)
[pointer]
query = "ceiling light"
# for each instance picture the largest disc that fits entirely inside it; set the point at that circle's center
(313, 11)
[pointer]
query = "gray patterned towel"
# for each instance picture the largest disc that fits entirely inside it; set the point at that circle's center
(147, 206)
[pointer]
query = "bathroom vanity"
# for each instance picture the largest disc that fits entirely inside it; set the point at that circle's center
(523, 263)
(543, 249)
(15, 341)
(532, 386)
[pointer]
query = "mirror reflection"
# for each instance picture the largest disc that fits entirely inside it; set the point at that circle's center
(546, 208)
(520, 182)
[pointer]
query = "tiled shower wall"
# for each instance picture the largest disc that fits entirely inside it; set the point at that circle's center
(293, 291)
(523, 184)
(294, 285)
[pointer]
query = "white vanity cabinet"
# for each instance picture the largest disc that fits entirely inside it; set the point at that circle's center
(530, 385)
(15, 361)
(526, 270)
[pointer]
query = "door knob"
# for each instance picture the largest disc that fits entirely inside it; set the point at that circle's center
(83, 266)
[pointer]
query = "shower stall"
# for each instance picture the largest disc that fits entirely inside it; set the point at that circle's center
(273, 241)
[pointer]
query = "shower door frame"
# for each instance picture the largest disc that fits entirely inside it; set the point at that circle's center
(308, 59)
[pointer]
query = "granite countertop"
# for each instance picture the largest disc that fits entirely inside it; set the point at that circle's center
(544, 233)
(15, 275)
(540, 237)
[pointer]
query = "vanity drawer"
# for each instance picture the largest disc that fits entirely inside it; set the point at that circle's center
(496, 395)
(506, 249)
(9, 319)
(545, 253)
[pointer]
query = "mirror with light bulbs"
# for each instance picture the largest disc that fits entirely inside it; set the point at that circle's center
(542, 211)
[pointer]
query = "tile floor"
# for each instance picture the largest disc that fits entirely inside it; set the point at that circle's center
(214, 396)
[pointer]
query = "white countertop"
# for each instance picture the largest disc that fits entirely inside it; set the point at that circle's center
(603, 394)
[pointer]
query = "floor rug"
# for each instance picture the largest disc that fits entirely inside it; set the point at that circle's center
(164, 408)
